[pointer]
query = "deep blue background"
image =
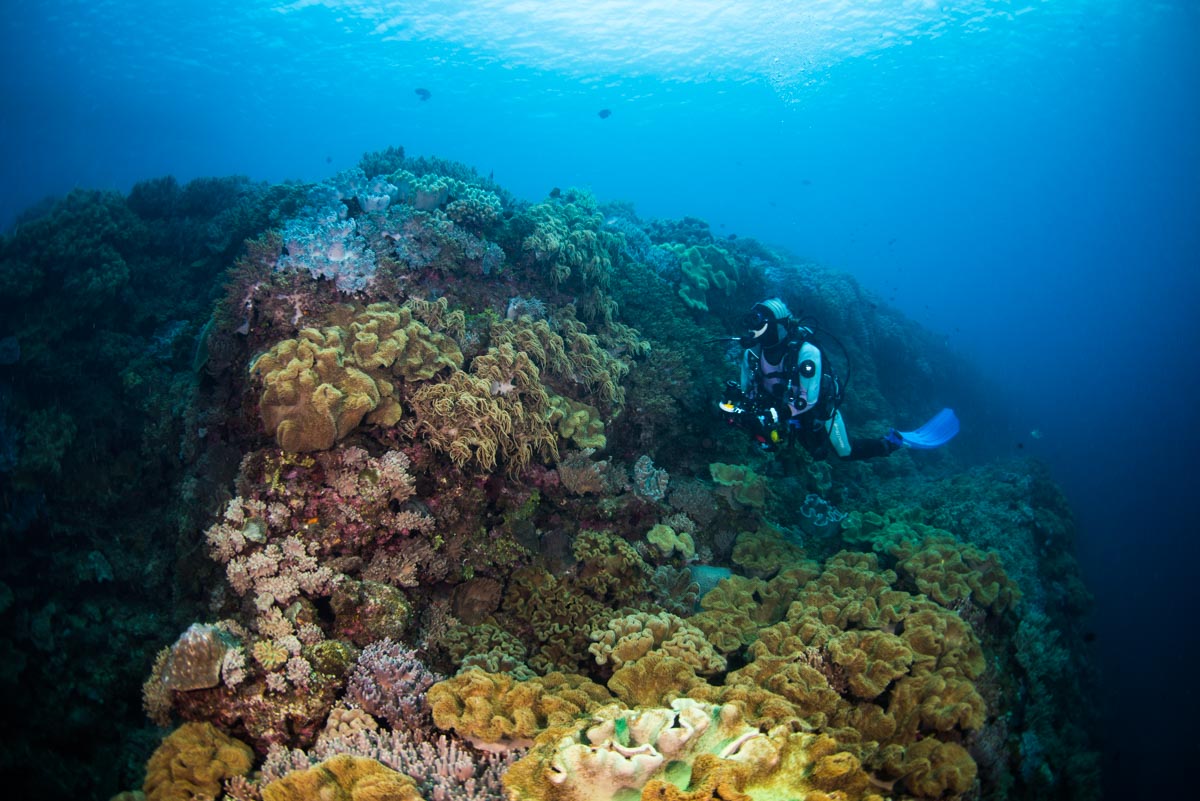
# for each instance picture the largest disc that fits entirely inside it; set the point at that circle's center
(1028, 188)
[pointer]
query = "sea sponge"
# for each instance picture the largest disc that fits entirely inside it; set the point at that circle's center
(343, 778)
(494, 711)
(193, 761)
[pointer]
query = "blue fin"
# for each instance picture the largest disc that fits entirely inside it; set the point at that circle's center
(940, 429)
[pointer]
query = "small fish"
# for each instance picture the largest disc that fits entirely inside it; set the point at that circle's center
(424, 94)
(556, 192)
(1036, 433)
(604, 113)
(329, 159)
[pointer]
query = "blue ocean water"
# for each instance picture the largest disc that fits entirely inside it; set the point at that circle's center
(1020, 178)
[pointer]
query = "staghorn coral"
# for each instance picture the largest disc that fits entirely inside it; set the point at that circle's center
(192, 762)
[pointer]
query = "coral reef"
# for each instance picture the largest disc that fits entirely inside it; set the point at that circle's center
(431, 484)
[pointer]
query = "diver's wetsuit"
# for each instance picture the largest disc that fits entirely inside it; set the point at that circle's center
(809, 430)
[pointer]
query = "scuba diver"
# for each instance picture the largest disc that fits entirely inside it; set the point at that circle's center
(789, 393)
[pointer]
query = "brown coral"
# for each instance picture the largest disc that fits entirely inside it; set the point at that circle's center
(495, 711)
(343, 778)
(192, 762)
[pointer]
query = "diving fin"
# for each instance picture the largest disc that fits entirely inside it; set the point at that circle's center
(940, 429)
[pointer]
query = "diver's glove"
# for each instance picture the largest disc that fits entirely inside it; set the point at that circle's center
(892, 440)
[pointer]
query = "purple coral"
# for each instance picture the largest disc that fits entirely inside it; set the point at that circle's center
(323, 241)
(390, 682)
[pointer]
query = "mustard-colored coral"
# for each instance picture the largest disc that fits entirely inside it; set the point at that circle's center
(704, 268)
(321, 385)
(740, 485)
(691, 751)
(949, 571)
(192, 762)
(765, 551)
(311, 398)
(655, 679)
(631, 637)
(670, 542)
(343, 778)
(577, 423)
(495, 710)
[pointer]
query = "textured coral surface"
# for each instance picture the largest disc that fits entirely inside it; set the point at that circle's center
(432, 501)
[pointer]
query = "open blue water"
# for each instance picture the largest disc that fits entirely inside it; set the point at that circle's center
(1020, 177)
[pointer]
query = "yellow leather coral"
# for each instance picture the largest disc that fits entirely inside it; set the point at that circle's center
(949, 571)
(669, 541)
(764, 551)
(310, 397)
(495, 711)
(343, 778)
(321, 385)
(192, 762)
(740, 485)
(691, 751)
(655, 679)
(633, 636)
